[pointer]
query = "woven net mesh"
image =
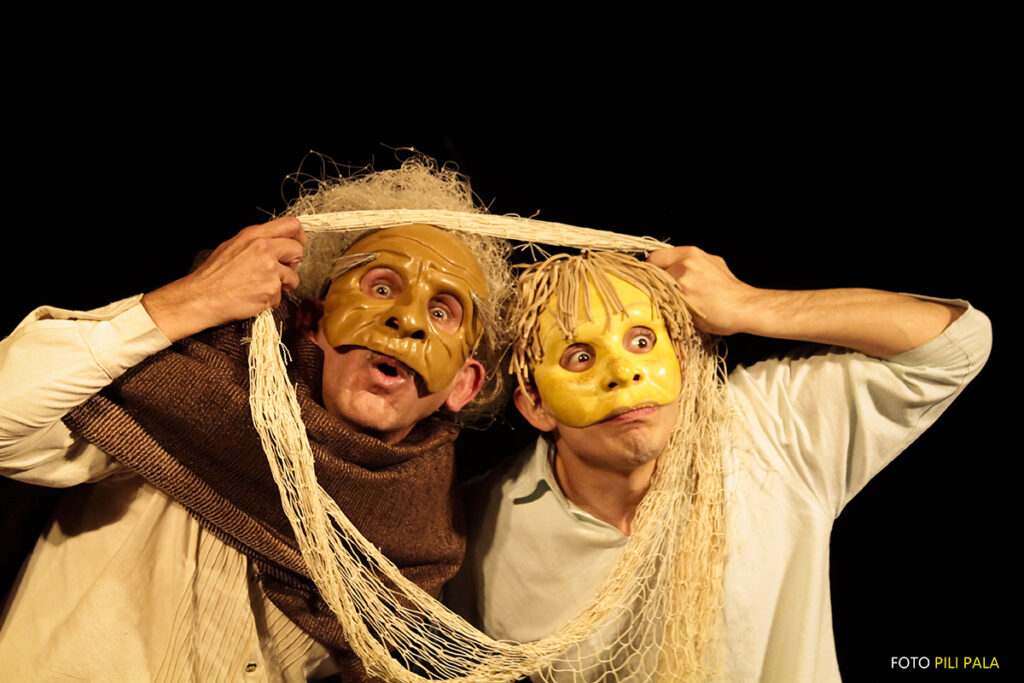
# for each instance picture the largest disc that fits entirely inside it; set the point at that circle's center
(655, 617)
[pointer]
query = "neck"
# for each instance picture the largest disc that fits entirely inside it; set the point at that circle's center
(608, 494)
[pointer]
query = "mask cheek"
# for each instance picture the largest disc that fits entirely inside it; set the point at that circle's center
(444, 355)
(572, 397)
(350, 319)
(665, 376)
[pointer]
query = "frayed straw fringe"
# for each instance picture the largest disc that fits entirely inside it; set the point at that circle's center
(503, 227)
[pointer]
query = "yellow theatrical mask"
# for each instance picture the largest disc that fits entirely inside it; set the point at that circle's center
(614, 364)
(412, 302)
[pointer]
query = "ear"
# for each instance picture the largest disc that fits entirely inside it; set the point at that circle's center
(530, 407)
(320, 339)
(308, 315)
(467, 384)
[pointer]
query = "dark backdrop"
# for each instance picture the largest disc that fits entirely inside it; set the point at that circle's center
(839, 148)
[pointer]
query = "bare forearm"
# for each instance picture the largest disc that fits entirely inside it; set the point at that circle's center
(871, 321)
(243, 276)
(177, 314)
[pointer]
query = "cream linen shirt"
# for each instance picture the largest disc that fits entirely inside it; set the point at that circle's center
(123, 584)
(819, 427)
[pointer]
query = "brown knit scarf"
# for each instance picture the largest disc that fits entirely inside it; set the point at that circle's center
(181, 420)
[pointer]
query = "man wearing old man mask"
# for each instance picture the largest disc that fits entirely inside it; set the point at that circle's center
(409, 313)
(169, 554)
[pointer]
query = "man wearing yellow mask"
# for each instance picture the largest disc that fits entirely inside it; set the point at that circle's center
(676, 518)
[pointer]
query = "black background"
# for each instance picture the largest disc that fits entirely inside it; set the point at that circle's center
(855, 147)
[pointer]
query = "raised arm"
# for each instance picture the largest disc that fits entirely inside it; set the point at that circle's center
(242, 276)
(871, 321)
(57, 359)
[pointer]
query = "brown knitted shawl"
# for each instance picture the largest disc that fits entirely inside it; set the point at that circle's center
(181, 420)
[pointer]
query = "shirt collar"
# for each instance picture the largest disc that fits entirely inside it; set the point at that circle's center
(536, 476)
(536, 480)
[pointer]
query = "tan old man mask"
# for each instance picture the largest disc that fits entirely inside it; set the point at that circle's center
(414, 301)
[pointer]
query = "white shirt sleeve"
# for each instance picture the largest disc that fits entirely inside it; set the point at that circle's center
(53, 362)
(834, 418)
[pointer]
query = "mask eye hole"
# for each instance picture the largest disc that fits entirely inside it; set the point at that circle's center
(446, 313)
(381, 283)
(577, 358)
(639, 340)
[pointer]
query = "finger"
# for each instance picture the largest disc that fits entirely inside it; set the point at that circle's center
(286, 251)
(289, 279)
(675, 259)
(291, 228)
(663, 258)
(287, 227)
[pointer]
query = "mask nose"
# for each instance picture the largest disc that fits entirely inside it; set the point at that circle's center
(405, 319)
(621, 373)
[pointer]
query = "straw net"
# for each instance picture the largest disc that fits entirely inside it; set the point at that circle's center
(654, 617)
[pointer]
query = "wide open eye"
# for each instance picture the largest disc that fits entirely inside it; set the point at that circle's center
(381, 283)
(446, 312)
(639, 340)
(577, 358)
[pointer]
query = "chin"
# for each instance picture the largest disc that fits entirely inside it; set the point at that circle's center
(387, 417)
(374, 423)
(641, 450)
(365, 412)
